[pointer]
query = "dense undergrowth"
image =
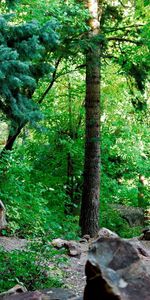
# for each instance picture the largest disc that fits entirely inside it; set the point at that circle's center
(36, 267)
(35, 202)
(37, 192)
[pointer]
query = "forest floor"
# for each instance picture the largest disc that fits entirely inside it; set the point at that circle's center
(74, 270)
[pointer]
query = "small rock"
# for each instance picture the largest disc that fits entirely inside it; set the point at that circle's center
(83, 240)
(116, 270)
(86, 237)
(17, 289)
(36, 295)
(58, 243)
(106, 233)
(72, 246)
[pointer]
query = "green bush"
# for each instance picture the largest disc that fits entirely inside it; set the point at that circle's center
(30, 268)
(34, 204)
(27, 210)
(111, 219)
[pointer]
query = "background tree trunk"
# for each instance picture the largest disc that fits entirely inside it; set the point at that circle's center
(89, 217)
(13, 134)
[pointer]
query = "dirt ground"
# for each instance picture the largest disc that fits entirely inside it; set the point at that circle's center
(74, 277)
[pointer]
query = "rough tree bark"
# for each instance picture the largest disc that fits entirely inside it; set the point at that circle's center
(89, 216)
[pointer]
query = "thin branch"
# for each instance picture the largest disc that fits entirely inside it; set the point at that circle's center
(110, 56)
(71, 71)
(120, 39)
(125, 27)
(52, 81)
(125, 6)
(55, 77)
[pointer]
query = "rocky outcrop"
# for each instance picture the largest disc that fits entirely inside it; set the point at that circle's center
(3, 222)
(116, 270)
(133, 215)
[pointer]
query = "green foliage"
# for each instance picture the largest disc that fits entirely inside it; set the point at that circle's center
(111, 219)
(26, 208)
(30, 267)
(125, 143)
(34, 197)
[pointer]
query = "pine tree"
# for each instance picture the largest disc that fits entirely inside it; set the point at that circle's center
(23, 52)
(31, 45)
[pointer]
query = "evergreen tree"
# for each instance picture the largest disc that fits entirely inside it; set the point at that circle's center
(24, 49)
(33, 45)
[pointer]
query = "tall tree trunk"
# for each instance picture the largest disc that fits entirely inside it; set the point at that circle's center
(89, 217)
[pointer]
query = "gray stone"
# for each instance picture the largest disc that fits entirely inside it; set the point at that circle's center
(3, 222)
(116, 270)
(17, 289)
(106, 233)
(133, 215)
(72, 246)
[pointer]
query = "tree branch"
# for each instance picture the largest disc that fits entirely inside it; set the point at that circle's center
(125, 27)
(52, 81)
(125, 6)
(120, 39)
(70, 71)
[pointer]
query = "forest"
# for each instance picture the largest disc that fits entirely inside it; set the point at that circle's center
(74, 128)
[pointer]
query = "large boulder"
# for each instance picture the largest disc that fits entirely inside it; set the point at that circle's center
(117, 270)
